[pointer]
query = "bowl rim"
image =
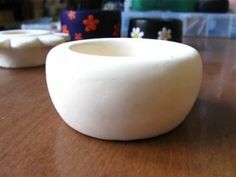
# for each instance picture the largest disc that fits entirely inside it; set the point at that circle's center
(22, 33)
(67, 47)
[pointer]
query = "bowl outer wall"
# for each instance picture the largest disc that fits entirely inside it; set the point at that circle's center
(120, 98)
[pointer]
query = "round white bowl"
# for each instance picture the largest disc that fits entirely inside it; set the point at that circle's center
(27, 48)
(123, 89)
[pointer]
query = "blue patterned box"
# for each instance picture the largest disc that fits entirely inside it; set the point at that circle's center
(85, 24)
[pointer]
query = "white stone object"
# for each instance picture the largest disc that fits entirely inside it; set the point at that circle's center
(27, 48)
(123, 89)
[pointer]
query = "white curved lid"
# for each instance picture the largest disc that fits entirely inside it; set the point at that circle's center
(30, 38)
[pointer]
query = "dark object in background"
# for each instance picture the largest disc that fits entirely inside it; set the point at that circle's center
(85, 24)
(84, 4)
(164, 29)
(220, 6)
(16, 6)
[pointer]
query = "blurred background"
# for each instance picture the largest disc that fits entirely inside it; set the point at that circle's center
(207, 18)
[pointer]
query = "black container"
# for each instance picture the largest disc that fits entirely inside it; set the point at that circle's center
(84, 4)
(214, 6)
(153, 28)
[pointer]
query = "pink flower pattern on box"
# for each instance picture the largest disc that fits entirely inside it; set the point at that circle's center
(71, 15)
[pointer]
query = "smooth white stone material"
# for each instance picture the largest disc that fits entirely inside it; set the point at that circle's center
(27, 48)
(123, 89)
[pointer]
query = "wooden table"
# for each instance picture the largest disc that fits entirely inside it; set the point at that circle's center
(35, 142)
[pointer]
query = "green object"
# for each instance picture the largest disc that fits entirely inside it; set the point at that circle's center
(167, 5)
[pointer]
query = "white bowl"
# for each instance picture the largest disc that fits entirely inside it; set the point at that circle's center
(123, 89)
(27, 48)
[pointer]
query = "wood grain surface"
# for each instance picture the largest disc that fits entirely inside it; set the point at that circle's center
(35, 142)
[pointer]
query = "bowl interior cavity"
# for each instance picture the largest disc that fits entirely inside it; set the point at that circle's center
(130, 48)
